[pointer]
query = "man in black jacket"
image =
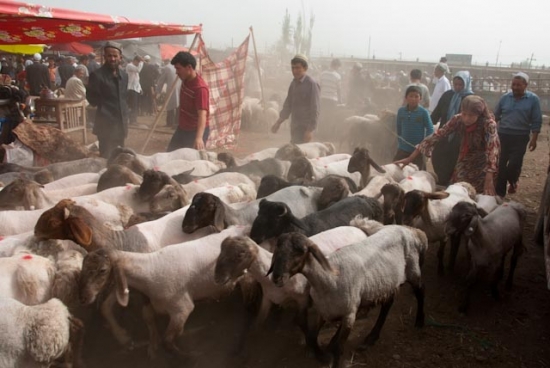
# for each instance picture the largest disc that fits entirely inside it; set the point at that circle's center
(38, 76)
(107, 89)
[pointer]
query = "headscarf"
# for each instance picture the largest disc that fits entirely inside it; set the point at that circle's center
(475, 105)
(454, 107)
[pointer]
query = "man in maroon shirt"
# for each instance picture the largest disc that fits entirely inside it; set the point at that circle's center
(192, 131)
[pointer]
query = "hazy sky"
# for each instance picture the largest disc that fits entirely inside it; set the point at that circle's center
(426, 29)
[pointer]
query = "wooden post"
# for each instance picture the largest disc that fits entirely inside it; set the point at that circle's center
(168, 95)
(258, 68)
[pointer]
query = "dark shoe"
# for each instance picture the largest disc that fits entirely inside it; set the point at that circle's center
(513, 188)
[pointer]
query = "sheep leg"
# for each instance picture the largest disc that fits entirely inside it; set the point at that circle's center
(455, 244)
(265, 307)
(311, 341)
(440, 256)
(336, 345)
(470, 282)
(518, 250)
(77, 342)
(148, 315)
(499, 272)
(375, 332)
(120, 334)
(419, 292)
(313, 338)
(176, 324)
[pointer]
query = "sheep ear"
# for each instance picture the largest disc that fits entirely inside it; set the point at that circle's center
(270, 270)
(283, 212)
(82, 233)
(121, 285)
(319, 256)
(219, 216)
(481, 212)
(436, 195)
(472, 226)
(376, 166)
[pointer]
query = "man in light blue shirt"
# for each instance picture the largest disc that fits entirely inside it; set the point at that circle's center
(518, 114)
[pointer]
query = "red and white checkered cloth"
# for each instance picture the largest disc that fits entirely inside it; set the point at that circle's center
(226, 82)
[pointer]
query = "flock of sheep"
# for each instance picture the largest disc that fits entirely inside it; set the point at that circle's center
(330, 233)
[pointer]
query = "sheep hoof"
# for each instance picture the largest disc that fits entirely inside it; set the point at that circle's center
(152, 352)
(370, 340)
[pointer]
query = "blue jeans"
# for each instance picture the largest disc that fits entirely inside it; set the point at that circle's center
(185, 139)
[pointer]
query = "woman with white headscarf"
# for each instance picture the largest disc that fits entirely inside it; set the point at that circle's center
(445, 153)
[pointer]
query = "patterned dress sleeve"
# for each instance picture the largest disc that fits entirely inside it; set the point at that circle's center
(493, 146)
(428, 144)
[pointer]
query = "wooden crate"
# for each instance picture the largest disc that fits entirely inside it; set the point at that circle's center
(66, 115)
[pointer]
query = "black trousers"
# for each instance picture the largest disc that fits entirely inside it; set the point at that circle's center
(512, 150)
(108, 143)
(185, 139)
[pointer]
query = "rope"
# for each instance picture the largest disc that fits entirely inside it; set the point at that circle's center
(395, 134)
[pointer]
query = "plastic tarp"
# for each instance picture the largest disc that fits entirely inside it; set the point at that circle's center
(73, 47)
(23, 23)
(22, 49)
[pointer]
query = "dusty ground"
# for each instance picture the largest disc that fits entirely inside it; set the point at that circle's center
(512, 332)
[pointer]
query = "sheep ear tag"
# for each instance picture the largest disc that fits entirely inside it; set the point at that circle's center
(82, 233)
(122, 291)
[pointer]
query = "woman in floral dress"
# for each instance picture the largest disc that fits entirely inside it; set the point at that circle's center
(479, 146)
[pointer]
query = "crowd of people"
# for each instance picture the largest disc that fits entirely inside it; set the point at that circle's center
(472, 143)
(116, 92)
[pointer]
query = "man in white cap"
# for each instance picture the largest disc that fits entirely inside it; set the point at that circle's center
(442, 85)
(38, 76)
(518, 115)
(107, 89)
(301, 104)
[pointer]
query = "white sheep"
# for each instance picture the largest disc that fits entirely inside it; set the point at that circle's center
(189, 154)
(33, 336)
(73, 181)
(428, 212)
(358, 276)
(184, 282)
(199, 167)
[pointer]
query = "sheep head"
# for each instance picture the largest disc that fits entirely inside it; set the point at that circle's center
(273, 219)
(65, 221)
(153, 182)
(170, 198)
(20, 192)
(394, 200)
(416, 204)
(463, 219)
(289, 152)
(334, 190)
(43, 176)
(99, 269)
(130, 161)
(300, 169)
(291, 255)
(236, 255)
(361, 162)
(205, 210)
(117, 176)
(227, 158)
(117, 151)
(269, 185)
